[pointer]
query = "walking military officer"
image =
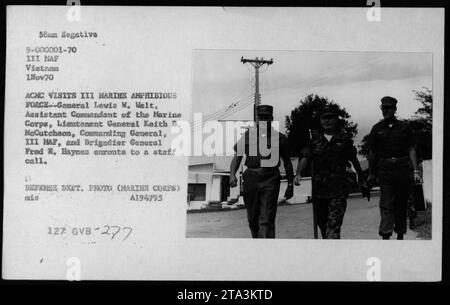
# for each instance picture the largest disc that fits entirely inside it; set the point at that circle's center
(391, 155)
(330, 151)
(263, 147)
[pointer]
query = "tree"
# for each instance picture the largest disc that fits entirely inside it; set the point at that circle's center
(305, 117)
(421, 124)
(364, 148)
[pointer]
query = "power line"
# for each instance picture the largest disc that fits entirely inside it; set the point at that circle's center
(338, 69)
(237, 109)
(227, 111)
(233, 104)
(223, 115)
(241, 104)
(256, 63)
(241, 107)
(247, 87)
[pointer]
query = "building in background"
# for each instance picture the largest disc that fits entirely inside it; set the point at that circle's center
(209, 183)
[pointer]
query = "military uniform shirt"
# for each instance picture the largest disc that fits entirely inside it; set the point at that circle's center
(248, 143)
(329, 164)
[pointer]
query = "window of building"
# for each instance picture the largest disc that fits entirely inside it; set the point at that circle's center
(197, 191)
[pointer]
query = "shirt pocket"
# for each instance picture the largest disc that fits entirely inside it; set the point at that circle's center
(340, 150)
(318, 148)
(381, 134)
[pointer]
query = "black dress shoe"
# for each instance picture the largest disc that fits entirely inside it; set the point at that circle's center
(412, 225)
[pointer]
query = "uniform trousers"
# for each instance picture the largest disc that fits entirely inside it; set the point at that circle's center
(260, 189)
(395, 178)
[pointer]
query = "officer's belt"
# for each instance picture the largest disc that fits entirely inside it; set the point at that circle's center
(261, 170)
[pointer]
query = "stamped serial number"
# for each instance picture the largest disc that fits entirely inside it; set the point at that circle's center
(51, 49)
(146, 197)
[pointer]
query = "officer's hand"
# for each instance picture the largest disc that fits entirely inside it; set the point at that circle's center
(289, 192)
(364, 188)
(417, 178)
(297, 180)
(371, 179)
(233, 181)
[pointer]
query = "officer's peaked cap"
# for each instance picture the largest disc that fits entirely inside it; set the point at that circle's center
(264, 110)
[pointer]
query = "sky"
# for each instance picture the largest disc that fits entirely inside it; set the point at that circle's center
(355, 80)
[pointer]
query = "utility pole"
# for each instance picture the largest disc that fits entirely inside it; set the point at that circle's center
(256, 63)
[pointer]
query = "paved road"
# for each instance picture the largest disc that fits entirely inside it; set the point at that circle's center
(293, 221)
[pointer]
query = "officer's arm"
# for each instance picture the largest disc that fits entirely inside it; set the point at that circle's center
(412, 149)
(352, 157)
(372, 162)
(233, 169)
(303, 162)
(285, 156)
(289, 169)
(305, 156)
(289, 176)
(413, 157)
(357, 167)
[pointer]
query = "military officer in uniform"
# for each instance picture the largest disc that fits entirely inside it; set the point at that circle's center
(263, 147)
(330, 150)
(391, 155)
(412, 213)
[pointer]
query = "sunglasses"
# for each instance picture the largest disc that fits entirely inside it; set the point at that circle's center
(327, 116)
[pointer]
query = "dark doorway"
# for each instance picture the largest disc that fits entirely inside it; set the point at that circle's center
(224, 188)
